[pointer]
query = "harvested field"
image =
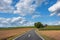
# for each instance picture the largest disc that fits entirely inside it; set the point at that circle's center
(4, 34)
(54, 34)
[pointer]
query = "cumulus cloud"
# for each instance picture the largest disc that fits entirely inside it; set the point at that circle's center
(29, 24)
(11, 21)
(55, 9)
(54, 23)
(5, 6)
(59, 14)
(35, 16)
(23, 7)
(15, 21)
(27, 6)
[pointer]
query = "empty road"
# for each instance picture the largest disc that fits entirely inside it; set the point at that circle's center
(31, 35)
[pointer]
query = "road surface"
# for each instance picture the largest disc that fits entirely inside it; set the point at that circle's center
(31, 35)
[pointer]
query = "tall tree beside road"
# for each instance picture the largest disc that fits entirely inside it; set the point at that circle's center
(38, 25)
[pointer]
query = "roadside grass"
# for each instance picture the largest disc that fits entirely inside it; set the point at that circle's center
(15, 28)
(17, 35)
(13, 37)
(50, 28)
(11, 28)
(47, 28)
(10, 38)
(46, 37)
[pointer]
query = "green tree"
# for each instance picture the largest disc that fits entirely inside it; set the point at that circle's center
(38, 25)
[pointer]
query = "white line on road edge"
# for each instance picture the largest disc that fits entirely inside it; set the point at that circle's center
(40, 36)
(21, 34)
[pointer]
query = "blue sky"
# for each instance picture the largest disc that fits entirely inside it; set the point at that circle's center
(27, 12)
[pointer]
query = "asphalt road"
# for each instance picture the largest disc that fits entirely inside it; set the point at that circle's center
(31, 35)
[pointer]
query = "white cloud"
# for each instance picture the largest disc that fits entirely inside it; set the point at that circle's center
(35, 16)
(8, 1)
(59, 14)
(15, 21)
(54, 23)
(52, 14)
(11, 21)
(5, 6)
(29, 24)
(57, 23)
(55, 9)
(25, 6)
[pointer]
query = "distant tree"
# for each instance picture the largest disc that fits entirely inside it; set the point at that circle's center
(38, 25)
(45, 25)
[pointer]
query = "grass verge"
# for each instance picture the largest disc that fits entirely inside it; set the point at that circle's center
(50, 28)
(12, 33)
(44, 36)
(11, 28)
(13, 37)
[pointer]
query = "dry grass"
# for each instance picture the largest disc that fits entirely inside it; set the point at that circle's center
(53, 34)
(4, 34)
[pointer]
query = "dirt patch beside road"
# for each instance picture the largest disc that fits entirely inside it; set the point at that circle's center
(12, 32)
(54, 34)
